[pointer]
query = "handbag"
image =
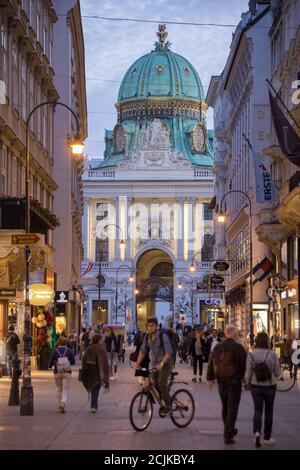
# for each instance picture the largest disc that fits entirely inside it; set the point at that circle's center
(133, 356)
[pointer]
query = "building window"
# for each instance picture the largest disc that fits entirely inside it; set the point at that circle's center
(101, 211)
(292, 252)
(42, 194)
(4, 56)
(14, 180)
(101, 250)
(207, 212)
(15, 77)
(3, 170)
(207, 251)
(24, 89)
(276, 49)
(240, 252)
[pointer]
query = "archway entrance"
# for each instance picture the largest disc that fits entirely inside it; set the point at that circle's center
(155, 287)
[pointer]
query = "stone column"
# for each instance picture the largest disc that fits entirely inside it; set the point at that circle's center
(180, 226)
(117, 231)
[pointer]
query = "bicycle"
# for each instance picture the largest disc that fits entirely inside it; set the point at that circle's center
(288, 376)
(141, 407)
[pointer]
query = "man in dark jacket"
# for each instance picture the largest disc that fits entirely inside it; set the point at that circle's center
(228, 364)
(211, 342)
(12, 342)
(112, 347)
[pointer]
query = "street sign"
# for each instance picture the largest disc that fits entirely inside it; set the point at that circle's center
(8, 293)
(25, 239)
(221, 266)
(215, 279)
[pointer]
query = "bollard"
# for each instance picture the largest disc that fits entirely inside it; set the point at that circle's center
(14, 396)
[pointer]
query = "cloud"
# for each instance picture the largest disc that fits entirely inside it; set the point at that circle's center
(111, 47)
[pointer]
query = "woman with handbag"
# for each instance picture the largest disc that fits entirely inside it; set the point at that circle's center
(95, 370)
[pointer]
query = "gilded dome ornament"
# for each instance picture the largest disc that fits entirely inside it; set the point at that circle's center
(119, 138)
(199, 138)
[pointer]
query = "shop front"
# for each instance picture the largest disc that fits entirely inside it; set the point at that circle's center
(290, 309)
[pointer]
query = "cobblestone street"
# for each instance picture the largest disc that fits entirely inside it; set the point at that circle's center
(110, 428)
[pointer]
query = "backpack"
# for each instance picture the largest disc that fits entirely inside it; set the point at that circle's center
(261, 369)
(172, 338)
(223, 362)
(63, 363)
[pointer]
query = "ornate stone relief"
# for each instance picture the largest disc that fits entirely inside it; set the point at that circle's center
(155, 150)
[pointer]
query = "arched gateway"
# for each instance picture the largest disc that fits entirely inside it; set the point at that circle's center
(154, 284)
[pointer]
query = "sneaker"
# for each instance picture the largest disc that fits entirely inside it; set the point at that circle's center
(93, 410)
(257, 442)
(194, 379)
(269, 442)
(200, 380)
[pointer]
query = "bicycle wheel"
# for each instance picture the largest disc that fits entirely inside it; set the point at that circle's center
(287, 380)
(141, 411)
(183, 408)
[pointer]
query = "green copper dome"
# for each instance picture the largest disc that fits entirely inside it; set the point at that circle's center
(161, 89)
(161, 73)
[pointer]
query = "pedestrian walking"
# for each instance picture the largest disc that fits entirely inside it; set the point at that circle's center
(211, 342)
(62, 358)
(12, 342)
(228, 364)
(85, 339)
(197, 352)
(95, 370)
(262, 373)
(112, 347)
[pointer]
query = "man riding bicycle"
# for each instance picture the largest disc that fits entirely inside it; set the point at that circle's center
(160, 353)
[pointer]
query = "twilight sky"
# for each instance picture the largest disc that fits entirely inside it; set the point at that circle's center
(112, 46)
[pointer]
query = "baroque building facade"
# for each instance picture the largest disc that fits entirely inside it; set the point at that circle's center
(150, 192)
(265, 46)
(27, 79)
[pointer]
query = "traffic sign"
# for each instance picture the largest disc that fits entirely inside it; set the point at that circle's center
(221, 266)
(8, 293)
(25, 239)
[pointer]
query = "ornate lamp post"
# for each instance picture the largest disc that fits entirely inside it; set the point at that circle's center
(122, 243)
(26, 402)
(131, 279)
(222, 219)
(192, 292)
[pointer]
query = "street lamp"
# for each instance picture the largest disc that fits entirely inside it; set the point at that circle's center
(26, 402)
(180, 285)
(131, 278)
(122, 244)
(222, 219)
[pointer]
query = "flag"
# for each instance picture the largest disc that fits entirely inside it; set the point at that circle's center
(287, 138)
(262, 269)
(88, 269)
(266, 189)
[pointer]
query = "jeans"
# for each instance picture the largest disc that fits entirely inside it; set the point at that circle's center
(161, 383)
(230, 394)
(94, 396)
(263, 396)
(199, 360)
(10, 355)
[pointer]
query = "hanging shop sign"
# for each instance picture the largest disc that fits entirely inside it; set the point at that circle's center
(8, 293)
(62, 297)
(213, 301)
(40, 294)
(289, 293)
(216, 279)
(221, 266)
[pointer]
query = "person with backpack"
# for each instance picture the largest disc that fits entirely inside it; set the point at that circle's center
(12, 342)
(112, 347)
(95, 370)
(197, 352)
(262, 373)
(61, 360)
(160, 353)
(227, 364)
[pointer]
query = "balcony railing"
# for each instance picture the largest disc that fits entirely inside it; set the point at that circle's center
(101, 174)
(203, 175)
